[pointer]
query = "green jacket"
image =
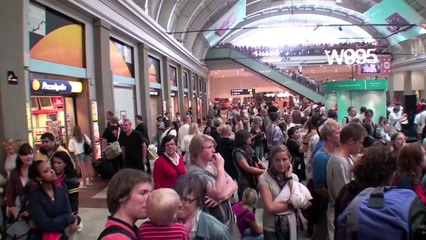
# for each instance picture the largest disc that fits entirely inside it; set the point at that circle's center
(210, 228)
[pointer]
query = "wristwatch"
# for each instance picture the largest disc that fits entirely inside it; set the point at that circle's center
(289, 178)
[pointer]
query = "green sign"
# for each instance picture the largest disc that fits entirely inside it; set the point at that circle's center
(354, 85)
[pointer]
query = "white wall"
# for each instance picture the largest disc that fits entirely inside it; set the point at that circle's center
(398, 81)
(418, 80)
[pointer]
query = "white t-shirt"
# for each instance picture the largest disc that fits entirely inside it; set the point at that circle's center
(76, 147)
(183, 131)
(420, 121)
(168, 132)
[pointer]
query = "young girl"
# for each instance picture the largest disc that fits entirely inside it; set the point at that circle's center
(76, 146)
(66, 177)
(246, 219)
(49, 206)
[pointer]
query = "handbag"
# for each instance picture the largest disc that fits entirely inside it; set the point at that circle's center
(233, 227)
(87, 148)
(113, 150)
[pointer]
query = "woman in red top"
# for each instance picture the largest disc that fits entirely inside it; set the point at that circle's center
(169, 166)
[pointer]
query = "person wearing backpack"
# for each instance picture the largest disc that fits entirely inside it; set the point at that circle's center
(127, 194)
(373, 169)
(375, 210)
(351, 115)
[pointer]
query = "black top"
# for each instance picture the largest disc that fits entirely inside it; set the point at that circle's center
(111, 134)
(256, 141)
(293, 148)
(132, 149)
(143, 131)
(215, 134)
(225, 146)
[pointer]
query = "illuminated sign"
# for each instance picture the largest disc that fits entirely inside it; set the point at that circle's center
(55, 86)
(249, 91)
(350, 56)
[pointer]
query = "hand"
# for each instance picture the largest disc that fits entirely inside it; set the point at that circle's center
(211, 202)
(289, 172)
(218, 160)
(189, 224)
(12, 212)
(73, 227)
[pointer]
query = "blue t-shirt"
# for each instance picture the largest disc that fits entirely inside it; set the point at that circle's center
(318, 146)
(319, 168)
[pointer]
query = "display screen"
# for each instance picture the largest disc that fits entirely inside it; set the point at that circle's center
(397, 15)
(371, 68)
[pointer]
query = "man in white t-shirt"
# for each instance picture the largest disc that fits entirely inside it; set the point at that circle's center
(351, 115)
(183, 130)
(396, 118)
(419, 121)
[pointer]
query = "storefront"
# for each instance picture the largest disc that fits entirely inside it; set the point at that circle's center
(53, 108)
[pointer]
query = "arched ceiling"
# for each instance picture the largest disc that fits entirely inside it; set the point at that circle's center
(184, 18)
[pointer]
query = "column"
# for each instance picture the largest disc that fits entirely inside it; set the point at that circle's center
(423, 92)
(14, 98)
(197, 95)
(206, 98)
(181, 98)
(143, 65)
(191, 95)
(166, 87)
(103, 74)
(408, 83)
(391, 86)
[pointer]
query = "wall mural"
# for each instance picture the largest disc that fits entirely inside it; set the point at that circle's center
(154, 75)
(55, 37)
(121, 59)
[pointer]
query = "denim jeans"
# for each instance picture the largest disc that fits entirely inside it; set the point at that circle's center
(248, 235)
(258, 150)
(269, 235)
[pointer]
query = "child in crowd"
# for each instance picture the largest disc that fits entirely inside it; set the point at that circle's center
(162, 206)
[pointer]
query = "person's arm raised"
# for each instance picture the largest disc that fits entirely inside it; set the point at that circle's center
(217, 190)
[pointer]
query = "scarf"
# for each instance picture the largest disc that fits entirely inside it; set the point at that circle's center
(280, 179)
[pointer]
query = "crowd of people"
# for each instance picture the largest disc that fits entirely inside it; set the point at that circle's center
(259, 52)
(306, 169)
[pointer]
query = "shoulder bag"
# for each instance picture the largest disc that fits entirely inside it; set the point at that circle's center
(113, 150)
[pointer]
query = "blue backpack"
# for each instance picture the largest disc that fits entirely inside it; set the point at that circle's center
(383, 213)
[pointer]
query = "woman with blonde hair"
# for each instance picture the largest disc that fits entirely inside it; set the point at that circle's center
(10, 148)
(76, 146)
(246, 219)
(209, 165)
(186, 140)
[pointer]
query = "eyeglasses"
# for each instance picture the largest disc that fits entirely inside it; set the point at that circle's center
(187, 201)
